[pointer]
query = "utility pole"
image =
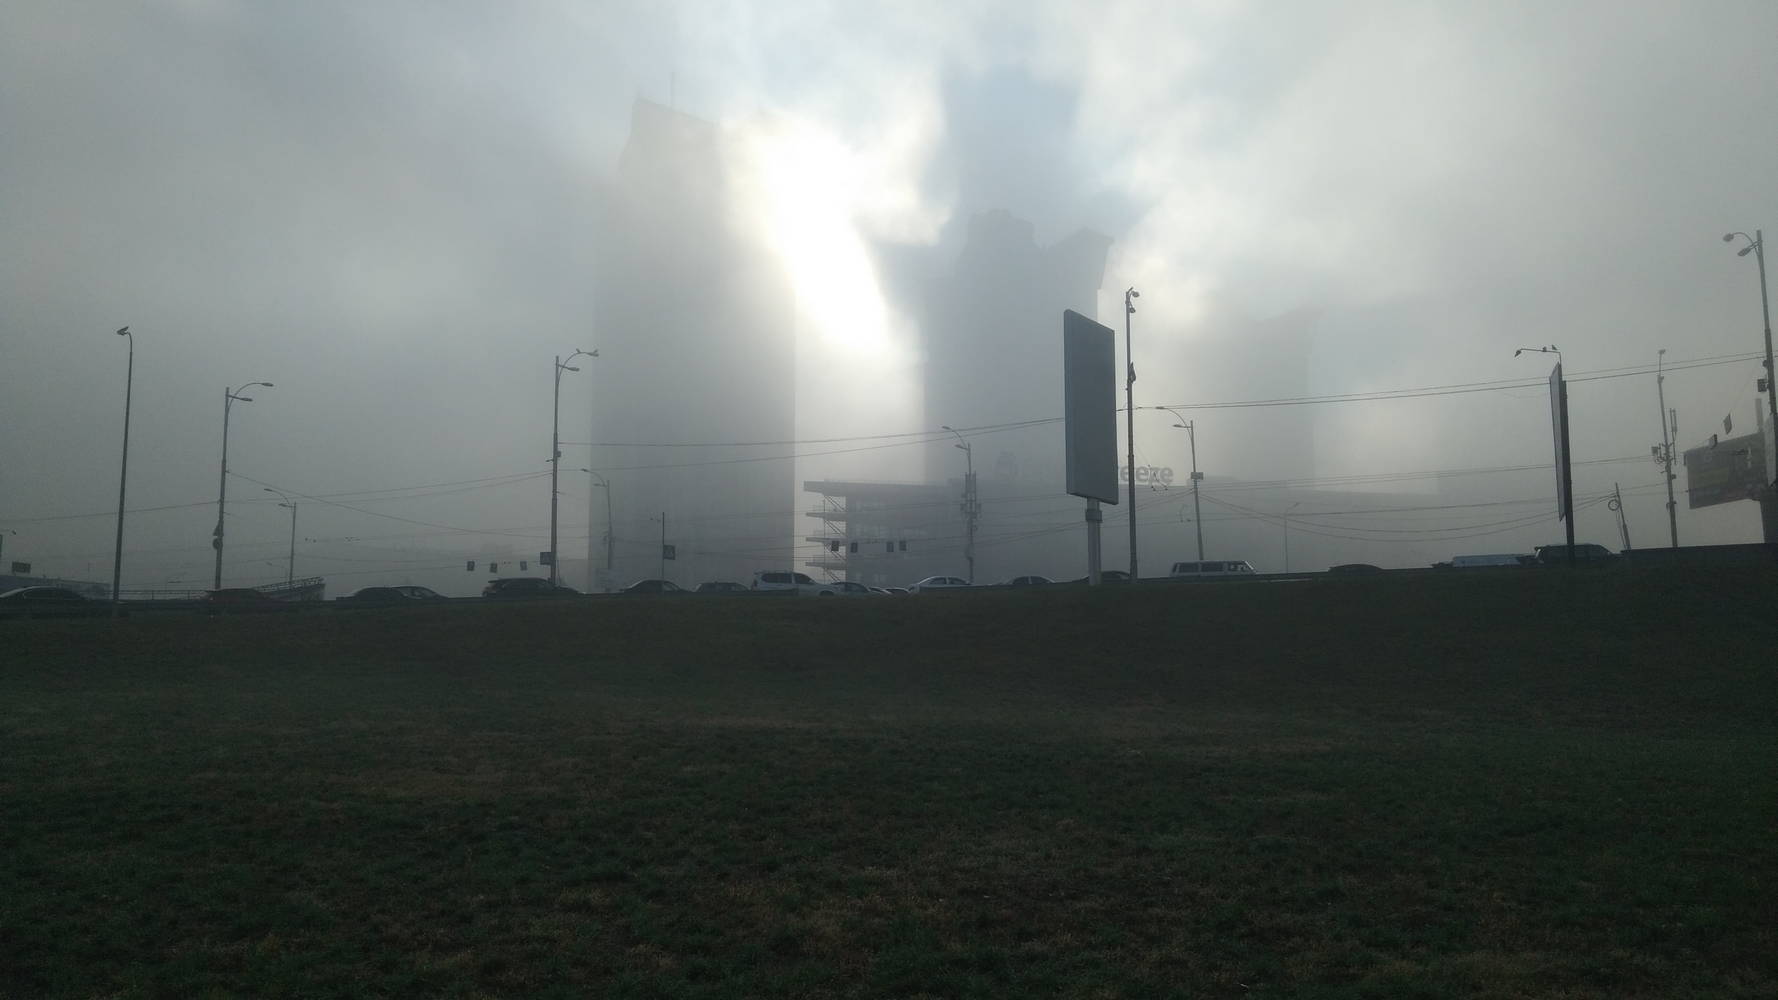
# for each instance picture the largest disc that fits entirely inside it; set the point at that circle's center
(123, 477)
(1617, 504)
(1130, 420)
(971, 506)
(1666, 455)
(663, 574)
(555, 452)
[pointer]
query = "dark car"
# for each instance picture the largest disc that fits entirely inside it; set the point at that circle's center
(523, 587)
(1585, 554)
(1032, 581)
(1109, 576)
(234, 600)
(653, 587)
(396, 595)
(1355, 569)
(46, 602)
(720, 587)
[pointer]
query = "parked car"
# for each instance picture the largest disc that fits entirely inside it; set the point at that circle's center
(939, 583)
(1585, 554)
(802, 583)
(1354, 569)
(40, 595)
(847, 588)
(1032, 581)
(719, 587)
(519, 587)
(1211, 569)
(653, 587)
(892, 591)
(1107, 576)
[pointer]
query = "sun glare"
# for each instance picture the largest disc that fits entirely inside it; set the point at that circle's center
(805, 198)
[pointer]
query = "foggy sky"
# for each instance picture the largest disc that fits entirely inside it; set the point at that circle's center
(388, 211)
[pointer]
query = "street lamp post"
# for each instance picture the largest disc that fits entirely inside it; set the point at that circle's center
(1130, 420)
(229, 398)
(610, 538)
(1197, 511)
(286, 501)
(123, 476)
(555, 451)
(971, 506)
(1756, 245)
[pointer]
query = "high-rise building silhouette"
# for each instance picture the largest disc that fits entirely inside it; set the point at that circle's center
(693, 320)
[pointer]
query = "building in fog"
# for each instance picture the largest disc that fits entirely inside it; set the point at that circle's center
(991, 334)
(693, 321)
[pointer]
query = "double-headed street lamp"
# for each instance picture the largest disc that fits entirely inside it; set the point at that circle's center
(1197, 511)
(229, 398)
(1756, 245)
(123, 476)
(610, 539)
(971, 505)
(290, 502)
(555, 451)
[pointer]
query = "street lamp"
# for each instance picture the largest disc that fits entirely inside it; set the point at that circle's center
(289, 574)
(1756, 245)
(1130, 294)
(610, 538)
(555, 451)
(123, 476)
(229, 398)
(971, 507)
(1197, 511)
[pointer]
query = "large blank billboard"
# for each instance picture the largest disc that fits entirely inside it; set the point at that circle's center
(1089, 392)
(1559, 431)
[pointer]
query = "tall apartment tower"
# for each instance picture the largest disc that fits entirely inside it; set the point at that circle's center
(693, 321)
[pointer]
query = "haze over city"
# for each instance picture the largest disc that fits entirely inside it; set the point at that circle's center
(399, 214)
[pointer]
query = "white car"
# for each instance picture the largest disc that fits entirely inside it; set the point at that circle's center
(802, 583)
(939, 583)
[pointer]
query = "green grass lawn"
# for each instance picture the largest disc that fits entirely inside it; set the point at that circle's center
(1507, 785)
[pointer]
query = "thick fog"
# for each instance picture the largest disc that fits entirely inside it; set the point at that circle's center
(401, 213)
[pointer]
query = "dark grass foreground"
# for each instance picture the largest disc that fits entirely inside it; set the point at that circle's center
(1519, 785)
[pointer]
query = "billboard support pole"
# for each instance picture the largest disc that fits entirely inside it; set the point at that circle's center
(1095, 517)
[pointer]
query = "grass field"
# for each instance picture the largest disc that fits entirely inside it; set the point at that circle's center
(1433, 786)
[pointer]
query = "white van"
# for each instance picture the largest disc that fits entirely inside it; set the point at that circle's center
(1211, 568)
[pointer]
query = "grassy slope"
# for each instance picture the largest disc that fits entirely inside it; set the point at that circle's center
(1429, 786)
